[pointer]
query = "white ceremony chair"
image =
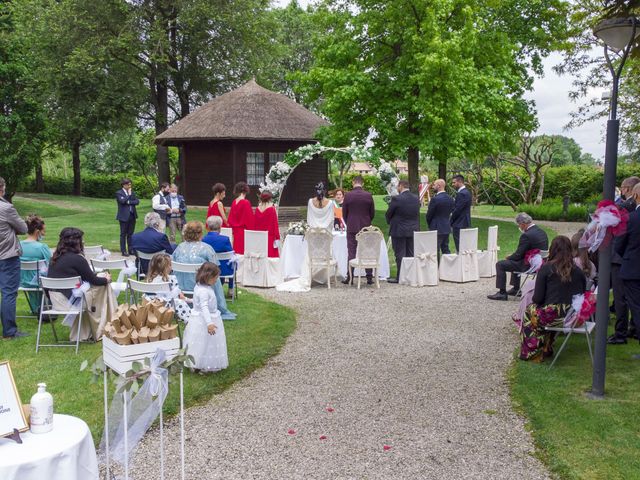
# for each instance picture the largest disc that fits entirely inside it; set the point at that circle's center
(319, 242)
(144, 256)
(258, 270)
(31, 266)
(230, 257)
(367, 253)
(93, 251)
(529, 274)
(463, 266)
(488, 258)
(421, 269)
(585, 329)
(47, 307)
(118, 265)
(187, 269)
(227, 232)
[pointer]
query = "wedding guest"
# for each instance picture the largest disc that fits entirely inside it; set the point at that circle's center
(557, 282)
(461, 215)
(216, 207)
(337, 209)
(68, 261)
(152, 239)
(194, 250)
(127, 215)
(320, 210)
(403, 217)
(11, 225)
(176, 217)
(204, 337)
(33, 249)
(220, 244)
(266, 220)
(358, 211)
(159, 202)
(240, 216)
(439, 213)
(532, 237)
(581, 258)
(628, 247)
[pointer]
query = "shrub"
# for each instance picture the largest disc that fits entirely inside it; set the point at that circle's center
(552, 210)
(96, 186)
(372, 183)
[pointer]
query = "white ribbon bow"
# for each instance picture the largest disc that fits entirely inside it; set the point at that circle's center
(74, 302)
(253, 261)
(120, 284)
(423, 257)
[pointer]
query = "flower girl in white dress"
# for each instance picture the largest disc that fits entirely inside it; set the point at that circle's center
(204, 336)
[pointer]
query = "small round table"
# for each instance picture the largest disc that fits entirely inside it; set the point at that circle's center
(65, 453)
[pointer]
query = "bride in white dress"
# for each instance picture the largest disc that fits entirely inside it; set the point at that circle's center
(319, 215)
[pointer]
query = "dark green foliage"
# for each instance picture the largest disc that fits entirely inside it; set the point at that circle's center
(371, 183)
(95, 186)
(552, 210)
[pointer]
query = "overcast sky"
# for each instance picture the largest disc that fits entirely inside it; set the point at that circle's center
(551, 96)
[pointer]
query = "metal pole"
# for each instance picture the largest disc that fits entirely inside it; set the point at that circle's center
(126, 435)
(181, 425)
(106, 421)
(161, 443)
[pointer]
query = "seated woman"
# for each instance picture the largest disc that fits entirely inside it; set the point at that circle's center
(556, 283)
(266, 220)
(100, 302)
(338, 198)
(320, 212)
(194, 250)
(220, 244)
(33, 249)
(581, 259)
(216, 207)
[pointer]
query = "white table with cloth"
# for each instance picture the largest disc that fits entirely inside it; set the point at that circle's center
(65, 453)
(294, 250)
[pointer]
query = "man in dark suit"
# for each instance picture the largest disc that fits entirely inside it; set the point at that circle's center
(151, 239)
(628, 247)
(461, 215)
(531, 238)
(126, 215)
(358, 211)
(403, 217)
(439, 213)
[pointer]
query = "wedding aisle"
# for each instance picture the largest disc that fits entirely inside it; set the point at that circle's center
(398, 383)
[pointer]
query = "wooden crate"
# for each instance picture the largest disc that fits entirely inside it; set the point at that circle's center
(120, 358)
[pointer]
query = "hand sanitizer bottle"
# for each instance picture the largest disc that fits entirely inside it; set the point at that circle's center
(41, 410)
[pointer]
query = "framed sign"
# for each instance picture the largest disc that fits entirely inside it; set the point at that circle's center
(11, 413)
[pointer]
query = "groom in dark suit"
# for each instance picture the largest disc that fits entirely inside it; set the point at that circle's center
(461, 215)
(439, 213)
(126, 215)
(403, 217)
(358, 211)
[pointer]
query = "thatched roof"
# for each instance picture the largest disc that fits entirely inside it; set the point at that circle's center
(250, 112)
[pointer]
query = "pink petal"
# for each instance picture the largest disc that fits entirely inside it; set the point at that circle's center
(386, 448)
(330, 409)
(323, 437)
(291, 431)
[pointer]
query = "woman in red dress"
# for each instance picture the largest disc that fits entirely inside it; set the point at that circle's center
(266, 220)
(216, 208)
(240, 216)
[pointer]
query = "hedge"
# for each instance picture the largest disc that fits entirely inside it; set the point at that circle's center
(96, 186)
(552, 210)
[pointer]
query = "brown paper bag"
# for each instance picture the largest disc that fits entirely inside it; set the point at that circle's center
(134, 337)
(152, 321)
(117, 325)
(123, 338)
(154, 335)
(124, 319)
(168, 332)
(143, 335)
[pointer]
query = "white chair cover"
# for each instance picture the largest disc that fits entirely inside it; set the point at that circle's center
(462, 267)
(421, 269)
(368, 252)
(488, 258)
(227, 232)
(319, 255)
(258, 270)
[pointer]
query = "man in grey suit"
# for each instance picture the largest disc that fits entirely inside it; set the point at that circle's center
(439, 213)
(11, 225)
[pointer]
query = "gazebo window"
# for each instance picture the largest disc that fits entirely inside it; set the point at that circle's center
(275, 157)
(255, 168)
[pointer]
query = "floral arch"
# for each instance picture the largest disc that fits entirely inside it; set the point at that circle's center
(276, 179)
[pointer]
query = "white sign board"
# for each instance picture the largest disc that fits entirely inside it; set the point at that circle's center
(11, 413)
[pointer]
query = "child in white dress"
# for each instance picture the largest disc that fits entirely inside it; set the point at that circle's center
(204, 336)
(160, 272)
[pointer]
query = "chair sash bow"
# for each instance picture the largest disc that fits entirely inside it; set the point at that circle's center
(254, 260)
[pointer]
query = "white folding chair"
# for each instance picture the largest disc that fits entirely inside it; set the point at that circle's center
(227, 232)
(52, 285)
(463, 266)
(188, 269)
(258, 270)
(319, 255)
(585, 329)
(367, 253)
(93, 251)
(144, 256)
(488, 258)
(120, 264)
(422, 268)
(31, 266)
(230, 257)
(529, 274)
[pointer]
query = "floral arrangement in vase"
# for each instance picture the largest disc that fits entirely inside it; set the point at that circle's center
(297, 228)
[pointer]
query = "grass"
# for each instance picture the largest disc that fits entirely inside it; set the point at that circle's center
(258, 333)
(498, 211)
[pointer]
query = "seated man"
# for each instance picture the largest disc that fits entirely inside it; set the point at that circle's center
(219, 243)
(532, 238)
(152, 239)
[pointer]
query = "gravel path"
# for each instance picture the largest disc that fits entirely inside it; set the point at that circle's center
(420, 370)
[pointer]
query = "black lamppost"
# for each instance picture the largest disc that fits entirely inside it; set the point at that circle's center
(618, 35)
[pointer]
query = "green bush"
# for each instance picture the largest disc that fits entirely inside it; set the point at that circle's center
(552, 210)
(96, 186)
(372, 183)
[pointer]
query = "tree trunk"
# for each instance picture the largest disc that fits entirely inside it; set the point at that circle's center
(39, 177)
(540, 190)
(413, 157)
(442, 169)
(161, 124)
(75, 156)
(184, 111)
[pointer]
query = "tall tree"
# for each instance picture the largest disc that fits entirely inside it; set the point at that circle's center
(434, 78)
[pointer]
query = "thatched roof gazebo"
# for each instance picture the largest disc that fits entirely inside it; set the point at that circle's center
(238, 136)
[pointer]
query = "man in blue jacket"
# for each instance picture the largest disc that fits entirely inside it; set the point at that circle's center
(151, 239)
(439, 213)
(461, 215)
(126, 215)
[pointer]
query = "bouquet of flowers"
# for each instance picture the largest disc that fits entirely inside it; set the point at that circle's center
(533, 259)
(583, 306)
(276, 179)
(388, 177)
(297, 228)
(608, 220)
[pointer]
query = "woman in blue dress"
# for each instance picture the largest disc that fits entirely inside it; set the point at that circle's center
(33, 248)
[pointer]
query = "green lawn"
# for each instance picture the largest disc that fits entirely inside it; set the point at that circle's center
(258, 333)
(499, 211)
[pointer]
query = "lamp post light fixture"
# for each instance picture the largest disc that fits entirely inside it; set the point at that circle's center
(618, 36)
